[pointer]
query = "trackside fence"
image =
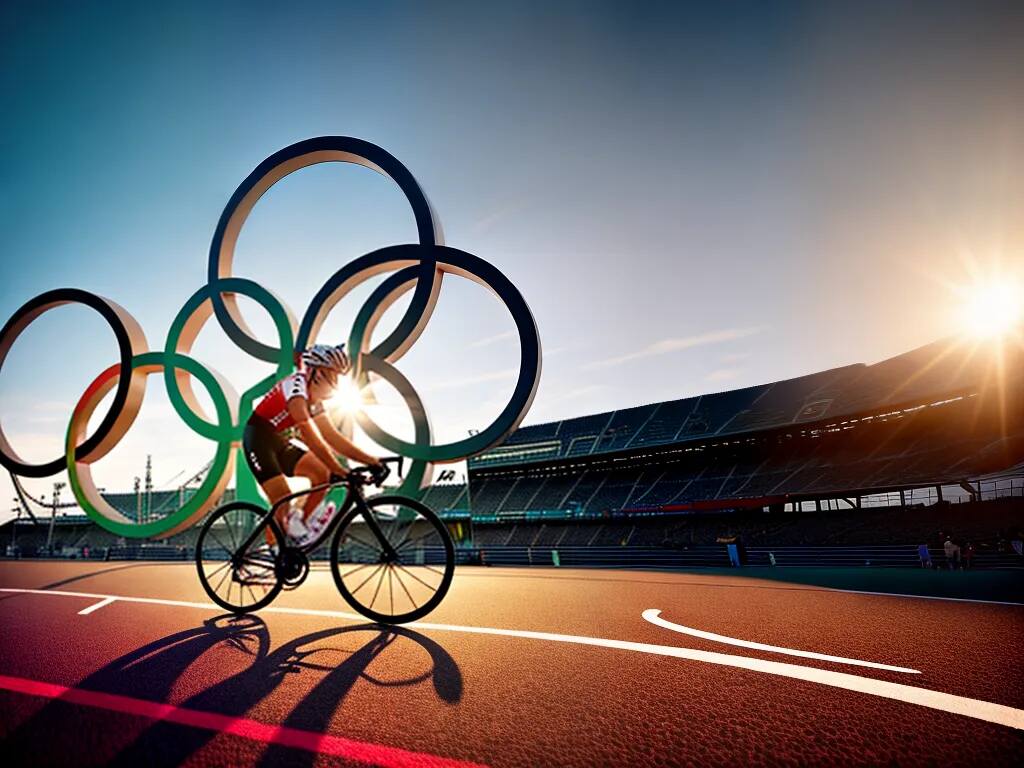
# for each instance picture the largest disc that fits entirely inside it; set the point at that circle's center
(607, 557)
(653, 558)
(717, 556)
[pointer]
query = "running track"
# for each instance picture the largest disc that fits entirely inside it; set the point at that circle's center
(516, 668)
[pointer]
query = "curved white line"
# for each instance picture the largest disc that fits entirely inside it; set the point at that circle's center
(653, 615)
(1000, 714)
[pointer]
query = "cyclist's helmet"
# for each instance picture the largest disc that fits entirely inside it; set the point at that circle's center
(332, 360)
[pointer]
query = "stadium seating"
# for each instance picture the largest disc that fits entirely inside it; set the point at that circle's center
(925, 376)
(623, 427)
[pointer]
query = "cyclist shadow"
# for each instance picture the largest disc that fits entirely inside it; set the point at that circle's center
(168, 744)
(149, 672)
(152, 671)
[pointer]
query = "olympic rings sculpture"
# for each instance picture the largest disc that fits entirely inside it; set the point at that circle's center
(417, 267)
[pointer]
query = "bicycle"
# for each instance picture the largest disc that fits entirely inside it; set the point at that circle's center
(372, 539)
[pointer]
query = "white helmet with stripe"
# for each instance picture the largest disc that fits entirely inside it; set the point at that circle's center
(327, 357)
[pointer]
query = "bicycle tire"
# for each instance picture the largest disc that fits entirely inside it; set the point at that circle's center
(208, 544)
(343, 554)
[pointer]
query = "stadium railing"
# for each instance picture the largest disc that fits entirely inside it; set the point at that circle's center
(606, 557)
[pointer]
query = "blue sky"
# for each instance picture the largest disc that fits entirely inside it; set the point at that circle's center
(691, 198)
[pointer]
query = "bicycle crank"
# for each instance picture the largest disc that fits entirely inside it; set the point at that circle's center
(292, 567)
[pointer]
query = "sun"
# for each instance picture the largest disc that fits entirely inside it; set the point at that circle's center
(993, 308)
(347, 398)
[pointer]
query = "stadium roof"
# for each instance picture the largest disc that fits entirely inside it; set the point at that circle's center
(931, 373)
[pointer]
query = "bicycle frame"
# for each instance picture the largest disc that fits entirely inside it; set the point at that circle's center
(354, 497)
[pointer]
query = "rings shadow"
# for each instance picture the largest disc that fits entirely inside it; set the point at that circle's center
(152, 672)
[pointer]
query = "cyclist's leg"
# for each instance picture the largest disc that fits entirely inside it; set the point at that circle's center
(264, 451)
(276, 489)
(310, 467)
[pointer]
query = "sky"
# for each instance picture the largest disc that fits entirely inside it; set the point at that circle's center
(691, 197)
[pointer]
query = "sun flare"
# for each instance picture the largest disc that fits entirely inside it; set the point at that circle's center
(347, 398)
(993, 308)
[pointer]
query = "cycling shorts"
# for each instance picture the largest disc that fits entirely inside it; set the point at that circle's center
(268, 452)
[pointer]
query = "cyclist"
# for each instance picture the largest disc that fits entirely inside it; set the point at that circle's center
(298, 401)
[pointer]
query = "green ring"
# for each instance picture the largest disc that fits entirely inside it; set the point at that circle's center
(285, 362)
(160, 527)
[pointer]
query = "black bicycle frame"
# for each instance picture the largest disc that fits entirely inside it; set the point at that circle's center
(354, 497)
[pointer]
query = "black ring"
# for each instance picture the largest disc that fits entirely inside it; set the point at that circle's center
(18, 323)
(286, 161)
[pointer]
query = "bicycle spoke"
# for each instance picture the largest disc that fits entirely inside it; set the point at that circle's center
(353, 592)
(431, 532)
(231, 531)
(215, 571)
(357, 568)
(408, 530)
(377, 590)
(219, 583)
(221, 543)
(389, 529)
(368, 546)
(391, 589)
(406, 589)
(253, 594)
(421, 581)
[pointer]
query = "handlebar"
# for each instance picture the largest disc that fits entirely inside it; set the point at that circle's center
(367, 474)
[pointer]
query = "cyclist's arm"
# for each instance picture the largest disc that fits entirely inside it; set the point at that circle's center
(298, 408)
(340, 443)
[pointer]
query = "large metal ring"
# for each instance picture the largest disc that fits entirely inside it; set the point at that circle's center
(80, 471)
(131, 341)
(323, 149)
(419, 268)
(183, 332)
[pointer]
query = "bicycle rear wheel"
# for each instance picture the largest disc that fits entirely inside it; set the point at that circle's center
(399, 589)
(239, 580)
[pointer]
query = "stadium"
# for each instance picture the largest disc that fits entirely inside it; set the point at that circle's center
(616, 558)
(512, 385)
(847, 466)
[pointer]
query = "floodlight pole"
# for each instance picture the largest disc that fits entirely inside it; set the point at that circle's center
(53, 515)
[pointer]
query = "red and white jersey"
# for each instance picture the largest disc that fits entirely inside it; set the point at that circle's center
(274, 405)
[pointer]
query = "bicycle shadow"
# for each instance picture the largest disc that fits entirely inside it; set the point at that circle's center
(152, 671)
(148, 672)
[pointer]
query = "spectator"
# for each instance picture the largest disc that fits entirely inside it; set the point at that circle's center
(925, 555)
(967, 555)
(950, 549)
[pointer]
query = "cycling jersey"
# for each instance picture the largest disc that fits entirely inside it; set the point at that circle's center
(273, 408)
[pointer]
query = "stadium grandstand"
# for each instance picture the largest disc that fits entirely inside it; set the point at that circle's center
(940, 416)
(897, 453)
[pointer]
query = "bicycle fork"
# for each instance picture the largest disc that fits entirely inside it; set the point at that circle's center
(388, 553)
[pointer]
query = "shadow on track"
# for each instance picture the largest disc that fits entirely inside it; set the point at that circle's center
(241, 644)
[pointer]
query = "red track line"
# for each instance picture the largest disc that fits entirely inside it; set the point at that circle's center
(310, 741)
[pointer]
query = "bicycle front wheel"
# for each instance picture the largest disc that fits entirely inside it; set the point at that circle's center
(399, 588)
(236, 577)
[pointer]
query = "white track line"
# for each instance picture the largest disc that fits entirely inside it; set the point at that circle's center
(653, 615)
(96, 606)
(999, 714)
(921, 597)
